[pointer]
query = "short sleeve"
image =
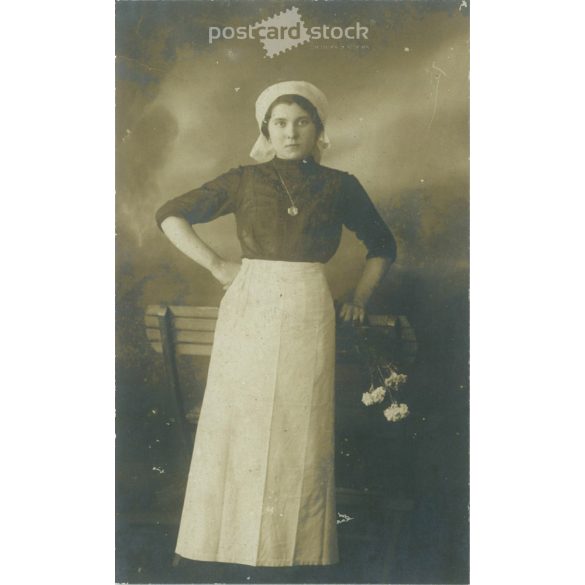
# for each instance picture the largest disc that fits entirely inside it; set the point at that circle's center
(210, 201)
(361, 217)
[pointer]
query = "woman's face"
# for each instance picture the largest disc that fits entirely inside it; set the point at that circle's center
(292, 132)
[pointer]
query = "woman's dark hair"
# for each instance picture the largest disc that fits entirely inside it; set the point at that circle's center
(293, 98)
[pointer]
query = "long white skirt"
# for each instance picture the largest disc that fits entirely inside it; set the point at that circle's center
(261, 487)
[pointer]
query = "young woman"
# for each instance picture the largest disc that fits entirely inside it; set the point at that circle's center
(261, 487)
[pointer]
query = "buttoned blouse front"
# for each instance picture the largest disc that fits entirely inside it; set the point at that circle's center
(327, 199)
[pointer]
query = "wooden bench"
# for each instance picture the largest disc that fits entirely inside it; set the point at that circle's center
(188, 330)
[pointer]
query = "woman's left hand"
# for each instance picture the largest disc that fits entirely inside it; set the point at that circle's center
(354, 312)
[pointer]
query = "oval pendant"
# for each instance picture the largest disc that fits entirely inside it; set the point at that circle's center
(294, 210)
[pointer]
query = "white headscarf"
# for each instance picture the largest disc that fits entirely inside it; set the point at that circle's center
(263, 151)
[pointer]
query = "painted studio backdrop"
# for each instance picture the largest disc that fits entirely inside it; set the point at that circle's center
(396, 77)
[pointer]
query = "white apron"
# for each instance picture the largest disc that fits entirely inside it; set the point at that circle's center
(261, 487)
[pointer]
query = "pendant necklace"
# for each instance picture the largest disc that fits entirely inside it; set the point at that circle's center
(293, 209)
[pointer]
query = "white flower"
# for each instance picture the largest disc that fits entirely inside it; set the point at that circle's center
(396, 412)
(374, 396)
(367, 399)
(394, 379)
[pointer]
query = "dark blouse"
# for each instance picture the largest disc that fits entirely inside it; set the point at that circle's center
(326, 198)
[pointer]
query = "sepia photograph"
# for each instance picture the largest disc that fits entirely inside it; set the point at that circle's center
(308, 278)
(292, 291)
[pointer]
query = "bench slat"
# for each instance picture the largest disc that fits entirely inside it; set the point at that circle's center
(193, 349)
(157, 346)
(185, 311)
(202, 337)
(382, 320)
(182, 336)
(184, 323)
(185, 348)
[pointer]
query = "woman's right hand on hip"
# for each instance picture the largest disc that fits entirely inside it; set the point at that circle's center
(225, 272)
